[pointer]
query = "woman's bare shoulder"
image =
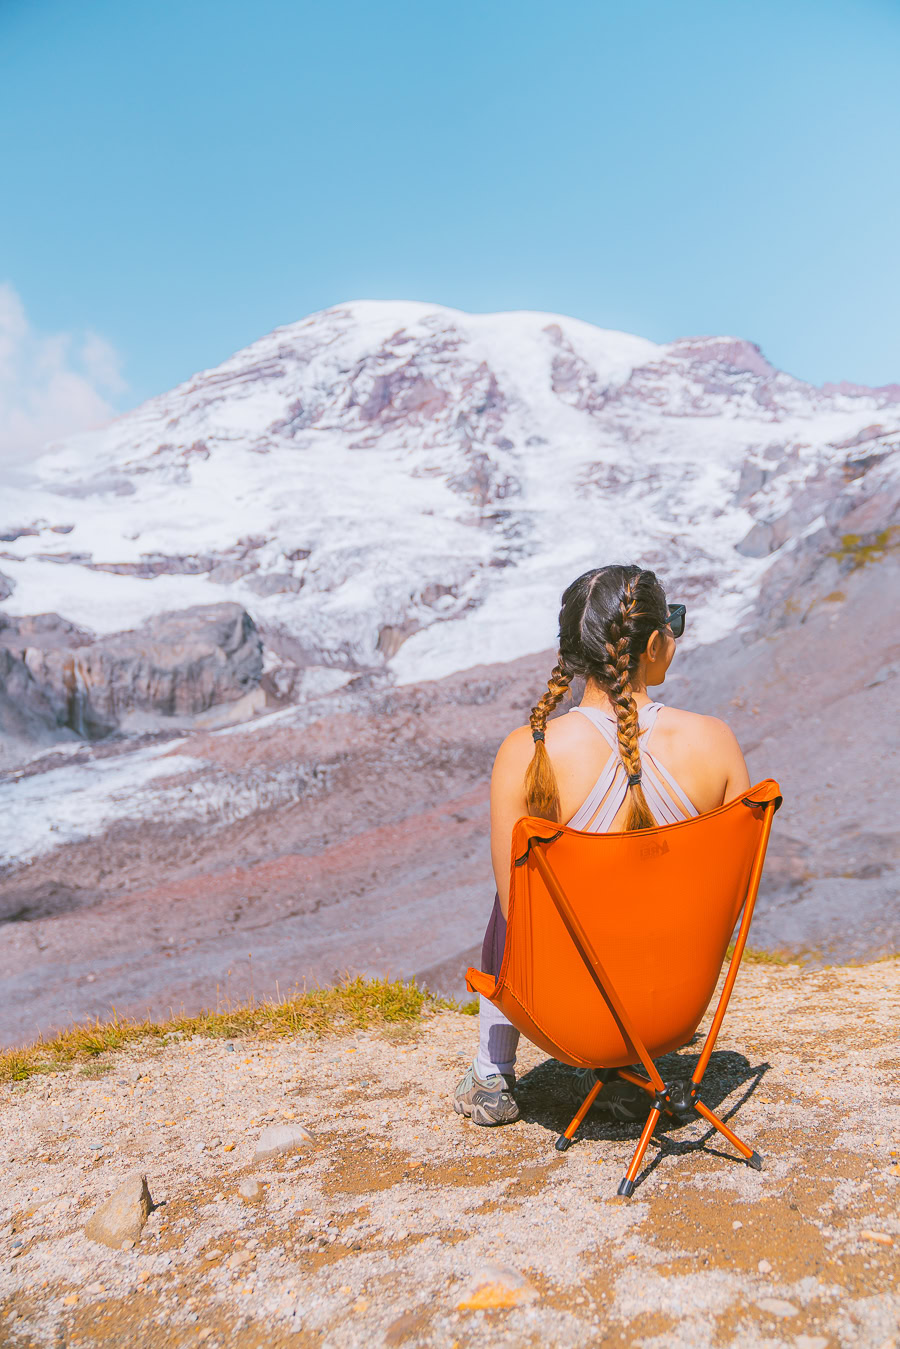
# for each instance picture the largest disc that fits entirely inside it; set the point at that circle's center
(517, 750)
(698, 725)
(516, 747)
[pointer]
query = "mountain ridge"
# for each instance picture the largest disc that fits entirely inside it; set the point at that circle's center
(403, 488)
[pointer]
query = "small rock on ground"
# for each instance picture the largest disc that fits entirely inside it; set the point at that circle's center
(278, 1139)
(121, 1219)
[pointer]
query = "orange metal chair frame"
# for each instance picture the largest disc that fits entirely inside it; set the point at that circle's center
(533, 938)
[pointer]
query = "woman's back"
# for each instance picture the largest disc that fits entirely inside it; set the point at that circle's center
(697, 754)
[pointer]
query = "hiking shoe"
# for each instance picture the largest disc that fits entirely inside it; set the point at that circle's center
(626, 1103)
(486, 1100)
(577, 1084)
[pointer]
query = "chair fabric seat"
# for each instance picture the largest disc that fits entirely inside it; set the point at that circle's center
(659, 907)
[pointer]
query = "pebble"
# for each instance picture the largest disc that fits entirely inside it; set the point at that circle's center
(279, 1139)
(883, 1238)
(736, 1225)
(251, 1190)
(239, 1258)
(496, 1286)
(764, 1267)
(122, 1216)
(776, 1306)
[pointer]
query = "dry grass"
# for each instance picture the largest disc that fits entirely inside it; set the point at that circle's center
(352, 1005)
(754, 957)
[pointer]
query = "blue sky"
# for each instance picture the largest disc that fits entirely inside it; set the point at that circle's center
(184, 176)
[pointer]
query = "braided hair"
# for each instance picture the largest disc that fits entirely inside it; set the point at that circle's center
(605, 622)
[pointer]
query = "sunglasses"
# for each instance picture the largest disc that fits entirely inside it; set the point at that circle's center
(675, 619)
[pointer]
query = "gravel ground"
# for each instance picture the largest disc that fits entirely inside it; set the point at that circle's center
(396, 1216)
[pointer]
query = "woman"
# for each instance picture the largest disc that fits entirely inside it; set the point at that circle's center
(617, 761)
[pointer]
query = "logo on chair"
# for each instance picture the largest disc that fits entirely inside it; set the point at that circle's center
(649, 850)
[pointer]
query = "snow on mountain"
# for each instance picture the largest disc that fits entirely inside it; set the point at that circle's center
(401, 485)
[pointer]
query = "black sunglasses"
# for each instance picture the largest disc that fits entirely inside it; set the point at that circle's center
(675, 620)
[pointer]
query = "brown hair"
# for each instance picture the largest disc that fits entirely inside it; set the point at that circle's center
(606, 619)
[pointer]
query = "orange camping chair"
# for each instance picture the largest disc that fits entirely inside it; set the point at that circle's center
(615, 942)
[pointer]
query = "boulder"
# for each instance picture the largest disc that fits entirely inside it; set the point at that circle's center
(121, 1218)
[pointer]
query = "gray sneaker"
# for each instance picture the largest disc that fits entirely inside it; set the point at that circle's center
(626, 1103)
(486, 1100)
(623, 1101)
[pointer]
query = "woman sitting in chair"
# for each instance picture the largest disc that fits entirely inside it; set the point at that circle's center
(617, 761)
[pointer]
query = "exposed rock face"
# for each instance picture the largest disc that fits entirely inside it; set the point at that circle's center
(28, 716)
(55, 675)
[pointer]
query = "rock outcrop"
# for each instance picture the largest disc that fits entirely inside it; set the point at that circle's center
(58, 681)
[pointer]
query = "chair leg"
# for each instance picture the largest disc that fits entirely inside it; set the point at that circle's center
(565, 1139)
(626, 1186)
(748, 1154)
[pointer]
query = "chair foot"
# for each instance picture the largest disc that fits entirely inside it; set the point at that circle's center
(626, 1187)
(755, 1161)
(562, 1143)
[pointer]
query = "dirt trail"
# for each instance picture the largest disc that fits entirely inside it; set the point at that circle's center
(378, 1233)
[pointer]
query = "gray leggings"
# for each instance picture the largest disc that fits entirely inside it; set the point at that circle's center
(498, 1038)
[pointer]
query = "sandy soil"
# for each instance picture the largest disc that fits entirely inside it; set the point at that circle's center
(380, 1232)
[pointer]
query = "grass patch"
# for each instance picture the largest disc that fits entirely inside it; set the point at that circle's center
(756, 957)
(354, 1004)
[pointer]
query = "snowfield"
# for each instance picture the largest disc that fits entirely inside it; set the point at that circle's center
(402, 486)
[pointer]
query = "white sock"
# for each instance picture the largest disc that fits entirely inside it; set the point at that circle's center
(498, 1040)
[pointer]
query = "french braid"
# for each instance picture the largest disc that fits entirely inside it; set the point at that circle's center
(541, 788)
(618, 685)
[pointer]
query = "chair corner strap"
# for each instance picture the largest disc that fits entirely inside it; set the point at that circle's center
(774, 801)
(537, 838)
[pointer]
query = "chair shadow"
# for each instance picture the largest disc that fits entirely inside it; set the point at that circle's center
(543, 1097)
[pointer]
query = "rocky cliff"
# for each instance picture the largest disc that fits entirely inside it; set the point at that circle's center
(61, 683)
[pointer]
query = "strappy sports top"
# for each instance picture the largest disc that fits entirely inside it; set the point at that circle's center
(664, 796)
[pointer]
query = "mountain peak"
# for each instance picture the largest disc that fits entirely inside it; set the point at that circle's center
(403, 487)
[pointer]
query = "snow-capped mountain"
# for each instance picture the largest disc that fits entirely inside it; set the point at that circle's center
(406, 486)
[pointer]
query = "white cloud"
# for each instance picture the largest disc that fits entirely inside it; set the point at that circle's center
(51, 385)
